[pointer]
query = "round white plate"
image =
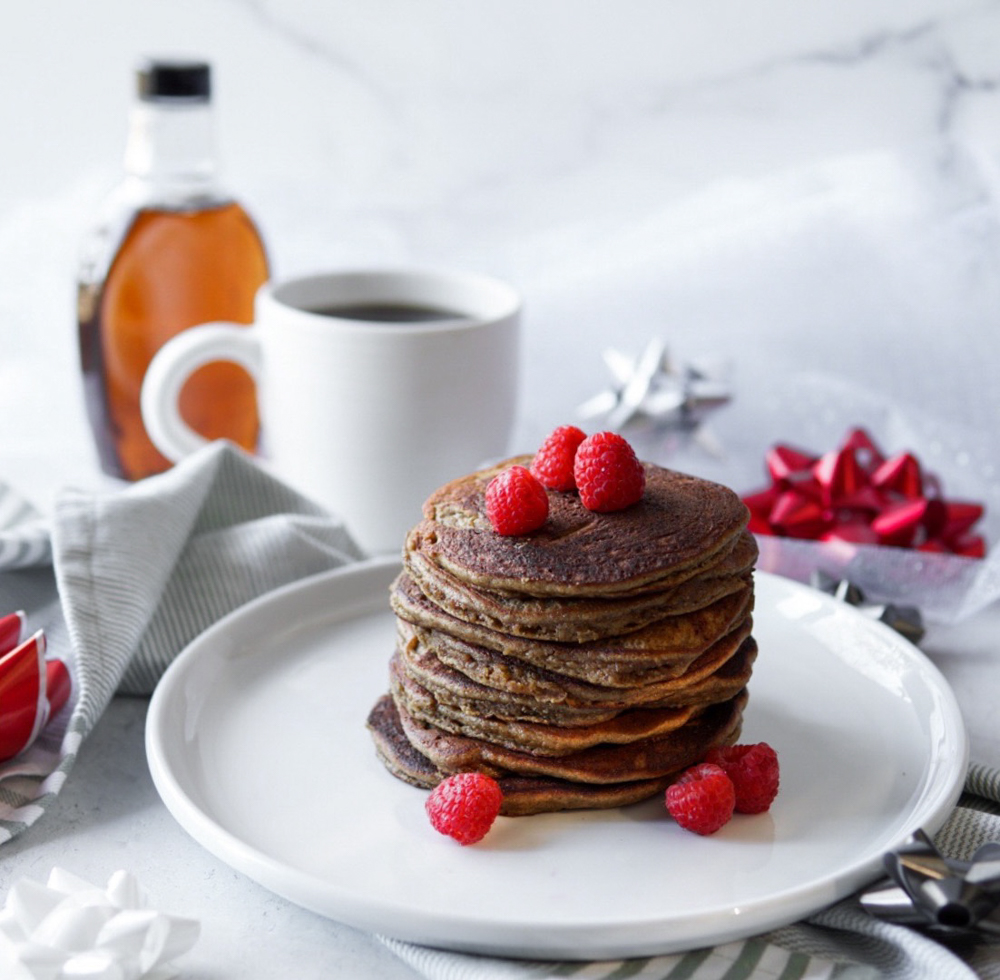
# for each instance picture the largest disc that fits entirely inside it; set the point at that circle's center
(257, 744)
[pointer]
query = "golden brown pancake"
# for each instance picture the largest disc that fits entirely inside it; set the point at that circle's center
(536, 737)
(663, 649)
(679, 527)
(543, 695)
(522, 795)
(574, 620)
(649, 758)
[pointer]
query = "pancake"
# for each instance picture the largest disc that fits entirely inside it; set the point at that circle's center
(649, 758)
(521, 795)
(536, 737)
(540, 695)
(577, 620)
(663, 649)
(518, 725)
(680, 527)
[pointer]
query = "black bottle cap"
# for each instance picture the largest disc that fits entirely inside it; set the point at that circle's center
(160, 79)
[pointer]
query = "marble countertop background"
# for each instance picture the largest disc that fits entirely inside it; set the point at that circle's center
(806, 192)
(791, 189)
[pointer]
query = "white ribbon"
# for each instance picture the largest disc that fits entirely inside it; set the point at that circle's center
(70, 929)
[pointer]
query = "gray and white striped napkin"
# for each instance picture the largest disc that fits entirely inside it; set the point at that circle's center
(122, 580)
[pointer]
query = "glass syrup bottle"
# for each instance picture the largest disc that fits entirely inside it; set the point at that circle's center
(172, 250)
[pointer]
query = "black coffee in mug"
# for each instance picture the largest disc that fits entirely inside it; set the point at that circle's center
(383, 312)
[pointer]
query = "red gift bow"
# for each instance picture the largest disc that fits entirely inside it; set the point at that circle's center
(32, 689)
(856, 494)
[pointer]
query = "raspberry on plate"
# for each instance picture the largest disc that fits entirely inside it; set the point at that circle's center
(754, 772)
(608, 474)
(516, 502)
(702, 800)
(464, 806)
(553, 463)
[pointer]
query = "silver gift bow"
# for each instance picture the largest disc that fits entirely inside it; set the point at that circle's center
(651, 389)
(945, 897)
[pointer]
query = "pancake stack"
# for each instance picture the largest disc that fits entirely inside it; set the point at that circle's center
(583, 665)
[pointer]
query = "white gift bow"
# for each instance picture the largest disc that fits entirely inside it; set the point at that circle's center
(70, 929)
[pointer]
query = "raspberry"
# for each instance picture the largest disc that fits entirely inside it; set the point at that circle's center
(754, 772)
(464, 806)
(702, 800)
(553, 463)
(607, 472)
(516, 502)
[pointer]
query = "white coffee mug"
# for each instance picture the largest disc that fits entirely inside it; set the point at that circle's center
(364, 414)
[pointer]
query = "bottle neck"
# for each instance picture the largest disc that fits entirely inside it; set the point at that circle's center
(170, 153)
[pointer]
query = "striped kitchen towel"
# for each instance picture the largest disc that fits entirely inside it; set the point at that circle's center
(124, 579)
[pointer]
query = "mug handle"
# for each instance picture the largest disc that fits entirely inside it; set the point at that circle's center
(173, 364)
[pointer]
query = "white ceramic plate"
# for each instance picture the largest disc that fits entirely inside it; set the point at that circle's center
(257, 744)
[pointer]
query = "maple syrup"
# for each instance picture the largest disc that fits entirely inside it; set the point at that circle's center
(172, 252)
(175, 269)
